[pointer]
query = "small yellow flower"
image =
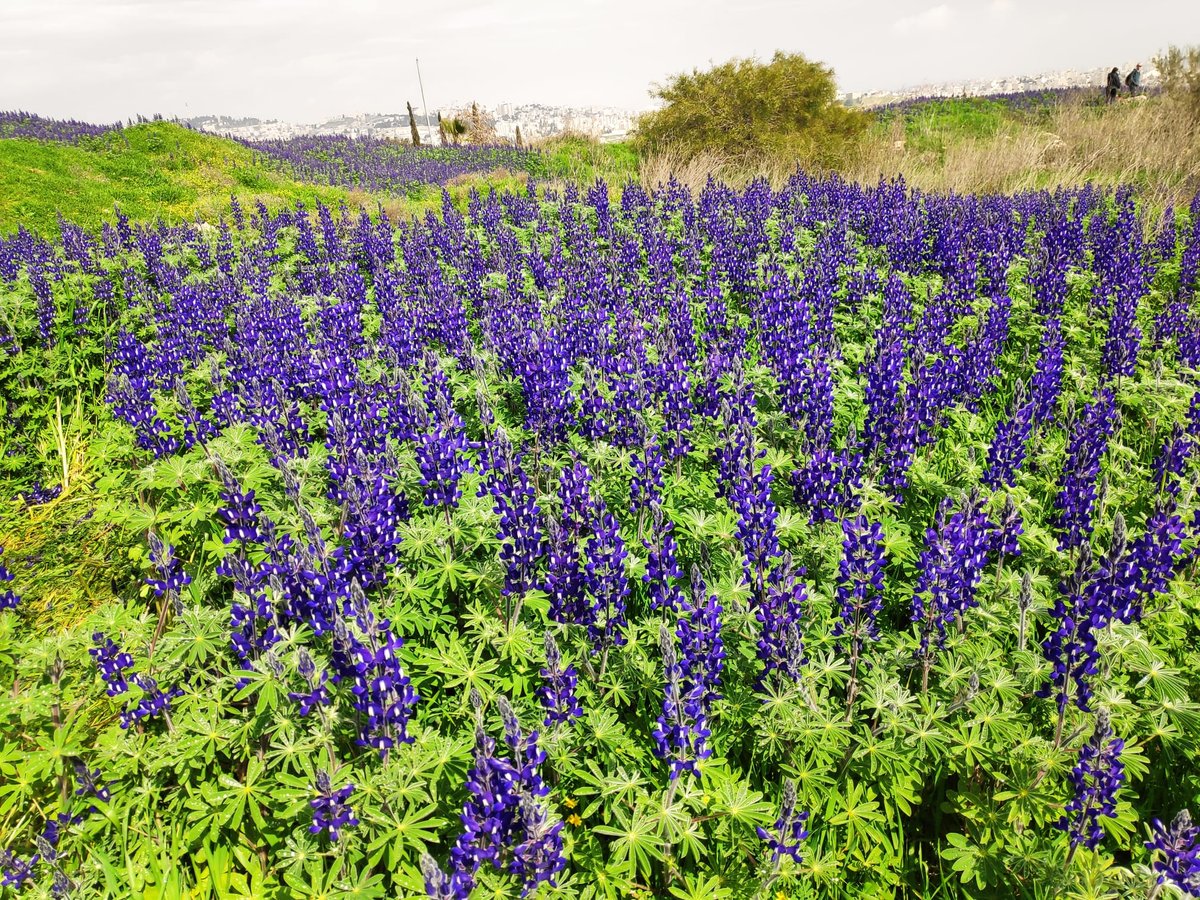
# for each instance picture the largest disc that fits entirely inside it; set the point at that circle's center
(570, 803)
(573, 819)
(780, 895)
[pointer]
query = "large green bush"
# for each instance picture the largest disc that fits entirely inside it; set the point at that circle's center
(745, 110)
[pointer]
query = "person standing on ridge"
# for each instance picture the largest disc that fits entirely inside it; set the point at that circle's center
(1114, 85)
(1133, 80)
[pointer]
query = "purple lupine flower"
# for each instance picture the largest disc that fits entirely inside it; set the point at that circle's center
(1071, 647)
(826, 483)
(1113, 590)
(1173, 457)
(1008, 529)
(951, 567)
(662, 565)
(39, 494)
(331, 808)
(318, 694)
(691, 678)
(785, 837)
(1096, 778)
(153, 702)
(1047, 377)
(240, 514)
(859, 592)
(369, 657)
(1120, 352)
(559, 686)
(523, 546)
(112, 663)
(1006, 454)
(1077, 486)
(171, 576)
(781, 634)
(751, 497)
(1179, 846)
(1154, 553)
(14, 871)
(9, 599)
(90, 784)
(605, 579)
(441, 450)
(441, 886)
(860, 581)
(539, 857)
(504, 819)
(646, 486)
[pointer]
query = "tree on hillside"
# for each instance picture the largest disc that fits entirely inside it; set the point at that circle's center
(746, 110)
(412, 123)
(1179, 69)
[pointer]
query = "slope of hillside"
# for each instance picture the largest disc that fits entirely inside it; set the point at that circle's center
(149, 170)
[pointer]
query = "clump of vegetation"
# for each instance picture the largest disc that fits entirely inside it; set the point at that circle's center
(1179, 69)
(751, 112)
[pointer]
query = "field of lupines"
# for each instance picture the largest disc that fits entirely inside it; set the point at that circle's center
(823, 542)
(384, 166)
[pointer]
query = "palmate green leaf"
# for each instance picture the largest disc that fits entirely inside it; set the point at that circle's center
(457, 669)
(697, 887)
(636, 845)
(610, 790)
(243, 797)
(965, 858)
(856, 808)
(741, 806)
(401, 835)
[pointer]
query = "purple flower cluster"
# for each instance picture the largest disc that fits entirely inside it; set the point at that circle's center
(859, 592)
(1077, 487)
(951, 567)
(785, 837)
(692, 676)
(1177, 853)
(40, 494)
(559, 689)
(1096, 778)
(112, 662)
(505, 821)
(9, 599)
(331, 808)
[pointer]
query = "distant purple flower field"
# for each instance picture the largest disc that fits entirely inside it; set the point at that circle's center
(363, 163)
(20, 124)
(373, 164)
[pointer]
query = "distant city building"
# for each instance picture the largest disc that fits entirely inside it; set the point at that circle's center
(534, 119)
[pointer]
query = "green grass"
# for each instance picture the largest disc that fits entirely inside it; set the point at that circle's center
(583, 159)
(939, 122)
(153, 170)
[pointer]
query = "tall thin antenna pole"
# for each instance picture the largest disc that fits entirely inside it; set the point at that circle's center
(428, 133)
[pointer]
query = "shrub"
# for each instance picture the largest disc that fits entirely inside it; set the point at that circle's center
(746, 111)
(1179, 69)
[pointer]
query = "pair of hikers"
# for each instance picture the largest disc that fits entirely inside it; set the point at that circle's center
(1133, 81)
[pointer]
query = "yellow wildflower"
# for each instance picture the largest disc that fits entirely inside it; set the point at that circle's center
(573, 819)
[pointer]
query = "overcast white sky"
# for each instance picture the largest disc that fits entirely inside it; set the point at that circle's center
(304, 60)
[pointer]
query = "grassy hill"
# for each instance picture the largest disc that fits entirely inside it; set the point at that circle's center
(150, 170)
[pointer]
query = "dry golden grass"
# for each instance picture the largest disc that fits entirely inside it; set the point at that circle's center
(1150, 143)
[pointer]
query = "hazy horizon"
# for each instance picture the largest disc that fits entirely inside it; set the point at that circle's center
(308, 60)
